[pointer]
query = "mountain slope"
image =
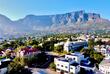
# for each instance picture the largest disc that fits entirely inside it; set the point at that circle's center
(68, 22)
(6, 25)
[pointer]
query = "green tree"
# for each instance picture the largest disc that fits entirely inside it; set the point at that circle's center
(5, 45)
(48, 45)
(30, 60)
(15, 68)
(91, 43)
(52, 66)
(32, 42)
(98, 57)
(99, 42)
(8, 53)
(19, 48)
(37, 47)
(58, 48)
(36, 60)
(20, 60)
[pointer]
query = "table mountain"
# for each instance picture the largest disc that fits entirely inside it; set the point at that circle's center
(69, 22)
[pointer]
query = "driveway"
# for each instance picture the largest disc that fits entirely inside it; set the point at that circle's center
(42, 71)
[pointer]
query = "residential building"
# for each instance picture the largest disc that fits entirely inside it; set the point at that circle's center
(69, 63)
(27, 51)
(84, 37)
(68, 46)
(103, 50)
(60, 43)
(77, 57)
(66, 66)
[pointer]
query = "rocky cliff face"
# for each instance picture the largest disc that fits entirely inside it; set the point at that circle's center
(68, 22)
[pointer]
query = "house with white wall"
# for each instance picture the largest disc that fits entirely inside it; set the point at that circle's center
(60, 43)
(77, 57)
(103, 50)
(69, 63)
(66, 66)
(72, 45)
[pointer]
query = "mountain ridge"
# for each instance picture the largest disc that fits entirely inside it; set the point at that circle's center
(68, 22)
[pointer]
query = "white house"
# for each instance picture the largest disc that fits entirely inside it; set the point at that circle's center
(84, 37)
(103, 50)
(69, 63)
(74, 68)
(66, 66)
(77, 57)
(60, 43)
(68, 46)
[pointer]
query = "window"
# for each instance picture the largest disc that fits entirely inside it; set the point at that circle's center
(71, 68)
(66, 71)
(66, 67)
(73, 58)
(61, 65)
(76, 67)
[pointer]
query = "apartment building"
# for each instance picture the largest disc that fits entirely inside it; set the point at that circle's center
(69, 64)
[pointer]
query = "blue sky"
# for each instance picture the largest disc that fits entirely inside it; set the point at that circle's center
(15, 9)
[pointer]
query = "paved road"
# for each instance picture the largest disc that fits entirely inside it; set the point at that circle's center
(42, 71)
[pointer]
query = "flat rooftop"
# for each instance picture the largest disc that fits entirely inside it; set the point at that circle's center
(64, 59)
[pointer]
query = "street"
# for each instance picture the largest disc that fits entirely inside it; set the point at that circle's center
(42, 71)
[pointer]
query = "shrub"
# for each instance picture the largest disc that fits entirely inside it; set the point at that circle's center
(52, 66)
(14, 68)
